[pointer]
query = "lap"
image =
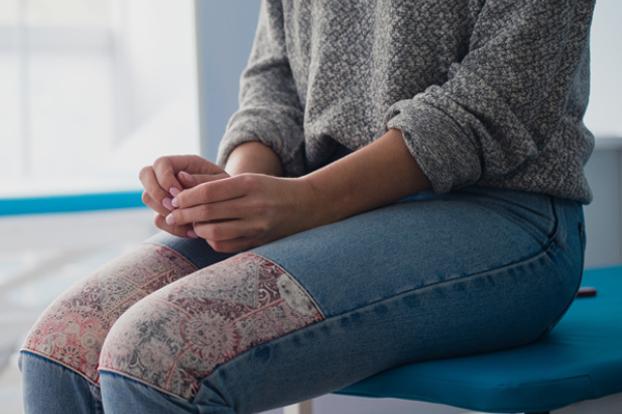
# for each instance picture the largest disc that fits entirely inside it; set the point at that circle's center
(421, 241)
(430, 276)
(464, 272)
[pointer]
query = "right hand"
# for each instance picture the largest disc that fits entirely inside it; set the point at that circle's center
(166, 177)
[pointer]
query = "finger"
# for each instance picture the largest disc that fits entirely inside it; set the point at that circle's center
(233, 246)
(154, 205)
(224, 230)
(225, 210)
(165, 174)
(150, 183)
(194, 163)
(181, 231)
(213, 191)
(191, 180)
(187, 180)
(166, 168)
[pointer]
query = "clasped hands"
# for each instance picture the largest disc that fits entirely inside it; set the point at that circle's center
(195, 198)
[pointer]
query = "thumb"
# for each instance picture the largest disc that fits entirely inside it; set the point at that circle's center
(191, 180)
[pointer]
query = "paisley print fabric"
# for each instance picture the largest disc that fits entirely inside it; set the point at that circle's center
(182, 332)
(72, 329)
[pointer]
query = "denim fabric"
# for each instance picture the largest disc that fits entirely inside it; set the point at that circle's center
(431, 276)
(52, 388)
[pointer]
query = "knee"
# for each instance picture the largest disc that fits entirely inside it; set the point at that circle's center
(69, 332)
(180, 334)
(147, 343)
(72, 329)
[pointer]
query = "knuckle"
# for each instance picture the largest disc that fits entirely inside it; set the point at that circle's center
(247, 181)
(206, 210)
(204, 192)
(143, 172)
(159, 161)
(212, 233)
(258, 205)
(262, 226)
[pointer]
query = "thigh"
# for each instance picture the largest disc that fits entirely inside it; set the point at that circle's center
(432, 238)
(428, 277)
(72, 328)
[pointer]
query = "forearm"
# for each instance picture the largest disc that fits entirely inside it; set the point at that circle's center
(377, 174)
(253, 157)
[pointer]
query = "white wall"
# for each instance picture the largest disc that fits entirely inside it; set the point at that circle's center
(157, 43)
(604, 115)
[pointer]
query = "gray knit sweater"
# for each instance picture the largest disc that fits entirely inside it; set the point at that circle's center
(491, 92)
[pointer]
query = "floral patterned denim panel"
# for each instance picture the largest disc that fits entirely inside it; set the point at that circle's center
(180, 334)
(72, 329)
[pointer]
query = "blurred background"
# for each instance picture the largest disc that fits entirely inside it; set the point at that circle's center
(92, 90)
(89, 89)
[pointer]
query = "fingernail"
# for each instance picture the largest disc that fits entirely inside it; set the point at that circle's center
(170, 219)
(185, 174)
(167, 203)
(192, 234)
(175, 202)
(174, 191)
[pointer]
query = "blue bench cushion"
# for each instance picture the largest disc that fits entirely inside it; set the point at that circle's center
(580, 359)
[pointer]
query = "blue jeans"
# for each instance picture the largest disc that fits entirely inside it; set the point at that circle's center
(431, 276)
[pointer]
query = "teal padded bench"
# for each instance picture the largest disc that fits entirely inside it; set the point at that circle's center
(580, 359)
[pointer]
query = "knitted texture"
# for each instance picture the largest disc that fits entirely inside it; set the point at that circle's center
(491, 93)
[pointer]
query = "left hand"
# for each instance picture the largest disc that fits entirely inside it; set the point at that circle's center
(246, 210)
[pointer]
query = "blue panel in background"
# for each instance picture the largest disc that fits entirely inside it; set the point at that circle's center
(70, 203)
(225, 32)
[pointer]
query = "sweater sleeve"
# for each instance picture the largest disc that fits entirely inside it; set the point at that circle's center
(269, 108)
(505, 99)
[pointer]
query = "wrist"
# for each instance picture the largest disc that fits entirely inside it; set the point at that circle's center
(253, 157)
(317, 206)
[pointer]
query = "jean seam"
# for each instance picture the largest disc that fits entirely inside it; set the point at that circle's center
(296, 281)
(568, 303)
(113, 372)
(565, 308)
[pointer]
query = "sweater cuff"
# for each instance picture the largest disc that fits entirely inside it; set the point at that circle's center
(443, 151)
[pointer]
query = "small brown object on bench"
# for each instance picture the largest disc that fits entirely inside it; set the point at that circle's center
(586, 291)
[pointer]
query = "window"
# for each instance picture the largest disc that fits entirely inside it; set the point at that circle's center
(91, 90)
